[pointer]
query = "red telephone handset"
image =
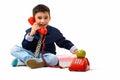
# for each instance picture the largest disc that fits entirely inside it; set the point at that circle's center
(42, 30)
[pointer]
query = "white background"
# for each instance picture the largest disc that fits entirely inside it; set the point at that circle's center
(92, 25)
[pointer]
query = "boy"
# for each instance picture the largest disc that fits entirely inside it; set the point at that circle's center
(25, 54)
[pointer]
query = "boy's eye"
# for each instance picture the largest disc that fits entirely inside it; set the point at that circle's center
(39, 17)
(46, 17)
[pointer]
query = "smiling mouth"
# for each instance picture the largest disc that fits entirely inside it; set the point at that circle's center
(42, 25)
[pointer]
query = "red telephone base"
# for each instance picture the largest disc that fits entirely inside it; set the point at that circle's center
(79, 64)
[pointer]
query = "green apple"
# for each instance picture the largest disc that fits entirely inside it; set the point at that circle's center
(81, 53)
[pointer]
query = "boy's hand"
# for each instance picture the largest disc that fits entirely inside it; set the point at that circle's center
(35, 27)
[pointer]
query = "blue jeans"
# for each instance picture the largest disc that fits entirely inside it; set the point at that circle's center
(24, 55)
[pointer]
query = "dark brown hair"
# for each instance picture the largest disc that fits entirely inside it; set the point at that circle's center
(41, 8)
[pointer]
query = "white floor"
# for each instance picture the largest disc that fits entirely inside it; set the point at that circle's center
(25, 73)
(100, 70)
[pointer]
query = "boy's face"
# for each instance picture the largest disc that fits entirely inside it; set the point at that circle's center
(42, 18)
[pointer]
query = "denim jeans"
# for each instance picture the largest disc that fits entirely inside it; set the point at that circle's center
(24, 55)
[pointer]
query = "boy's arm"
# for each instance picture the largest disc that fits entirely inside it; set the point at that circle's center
(29, 38)
(28, 42)
(63, 43)
(73, 49)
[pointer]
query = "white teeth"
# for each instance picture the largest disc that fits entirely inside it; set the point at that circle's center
(42, 24)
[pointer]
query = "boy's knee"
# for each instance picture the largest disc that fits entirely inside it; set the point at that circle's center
(15, 49)
(53, 60)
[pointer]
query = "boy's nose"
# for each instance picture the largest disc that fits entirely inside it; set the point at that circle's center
(42, 20)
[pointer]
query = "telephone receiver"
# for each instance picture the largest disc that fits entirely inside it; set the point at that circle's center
(42, 30)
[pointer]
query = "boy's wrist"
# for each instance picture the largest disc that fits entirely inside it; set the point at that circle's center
(73, 49)
(32, 33)
(28, 37)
